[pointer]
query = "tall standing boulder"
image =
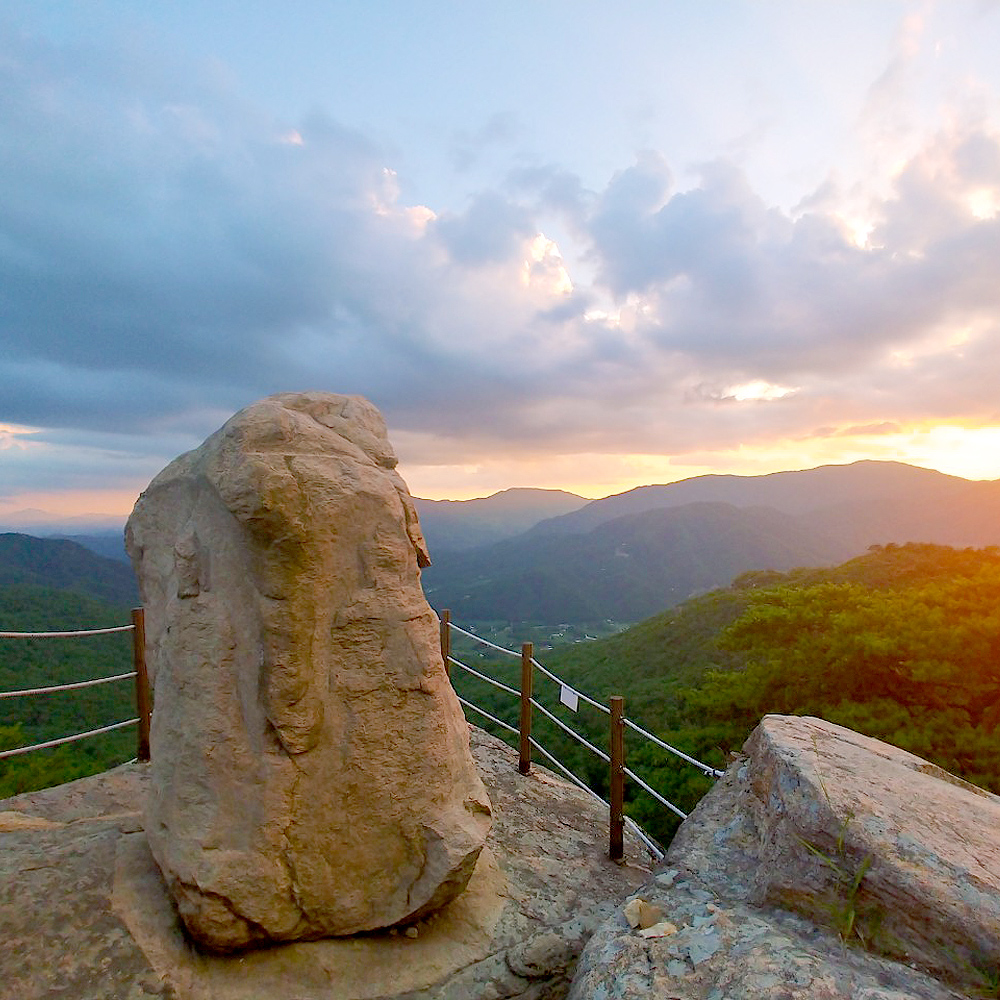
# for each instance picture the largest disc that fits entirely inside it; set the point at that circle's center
(311, 773)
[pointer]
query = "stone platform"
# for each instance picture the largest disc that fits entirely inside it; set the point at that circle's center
(84, 913)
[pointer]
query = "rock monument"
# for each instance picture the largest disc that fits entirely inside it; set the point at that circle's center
(311, 773)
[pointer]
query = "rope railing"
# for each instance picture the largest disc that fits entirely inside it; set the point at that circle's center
(562, 684)
(651, 845)
(142, 696)
(570, 731)
(77, 634)
(712, 772)
(67, 739)
(484, 677)
(25, 692)
(482, 641)
(486, 715)
(560, 766)
(556, 679)
(569, 695)
(663, 800)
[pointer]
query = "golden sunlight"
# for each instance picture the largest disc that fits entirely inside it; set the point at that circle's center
(972, 453)
(984, 203)
(969, 452)
(757, 390)
(545, 268)
(73, 503)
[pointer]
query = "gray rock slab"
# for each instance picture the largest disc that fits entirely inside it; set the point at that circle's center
(824, 864)
(724, 949)
(85, 914)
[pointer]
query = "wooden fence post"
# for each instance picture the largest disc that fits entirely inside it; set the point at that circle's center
(616, 798)
(142, 699)
(527, 680)
(446, 640)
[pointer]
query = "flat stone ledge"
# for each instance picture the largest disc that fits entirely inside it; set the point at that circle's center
(85, 913)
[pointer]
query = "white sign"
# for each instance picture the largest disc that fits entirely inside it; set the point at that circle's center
(569, 697)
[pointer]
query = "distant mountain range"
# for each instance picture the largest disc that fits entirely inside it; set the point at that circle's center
(101, 533)
(551, 557)
(629, 556)
(43, 522)
(64, 565)
(455, 525)
(448, 525)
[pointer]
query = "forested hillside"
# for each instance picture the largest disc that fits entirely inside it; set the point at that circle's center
(902, 644)
(65, 565)
(32, 663)
(625, 569)
(626, 557)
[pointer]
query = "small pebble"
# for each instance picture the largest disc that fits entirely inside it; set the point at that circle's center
(411, 932)
(632, 910)
(649, 915)
(663, 929)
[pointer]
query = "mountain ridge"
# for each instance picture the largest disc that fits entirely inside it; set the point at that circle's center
(450, 525)
(816, 517)
(773, 489)
(26, 560)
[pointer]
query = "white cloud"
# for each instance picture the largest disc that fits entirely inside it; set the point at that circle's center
(166, 260)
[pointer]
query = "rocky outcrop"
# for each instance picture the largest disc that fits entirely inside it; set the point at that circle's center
(85, 914)
(311, 772)
(824, 865)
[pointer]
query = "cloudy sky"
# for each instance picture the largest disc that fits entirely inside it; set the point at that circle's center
(559, 243)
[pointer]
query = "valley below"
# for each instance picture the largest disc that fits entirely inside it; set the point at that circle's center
(864, 594)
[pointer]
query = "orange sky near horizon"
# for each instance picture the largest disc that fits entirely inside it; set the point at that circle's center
(972, 453)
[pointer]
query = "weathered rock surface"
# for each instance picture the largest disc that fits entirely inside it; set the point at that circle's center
(311, 772)
(820, 857)
(84, 912)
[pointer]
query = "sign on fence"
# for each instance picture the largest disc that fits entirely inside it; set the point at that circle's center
(569, 697)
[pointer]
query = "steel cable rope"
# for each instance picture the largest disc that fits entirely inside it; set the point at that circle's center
(485, 642)
(484, 677)
(74, 634)
(565, 770)
(80, 633)
(562, 684)
(67, 739)
(656, 795)
(706, 768)
(651, 844)
(492, 718)
(66, 687)
(709, 770)
(572, 732)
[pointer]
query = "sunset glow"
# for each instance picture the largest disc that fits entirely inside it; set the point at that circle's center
(771, 244)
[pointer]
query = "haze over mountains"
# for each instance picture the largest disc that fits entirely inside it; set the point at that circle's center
(453, 525)
(548, 556)
(629, 556)
(61, 564)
